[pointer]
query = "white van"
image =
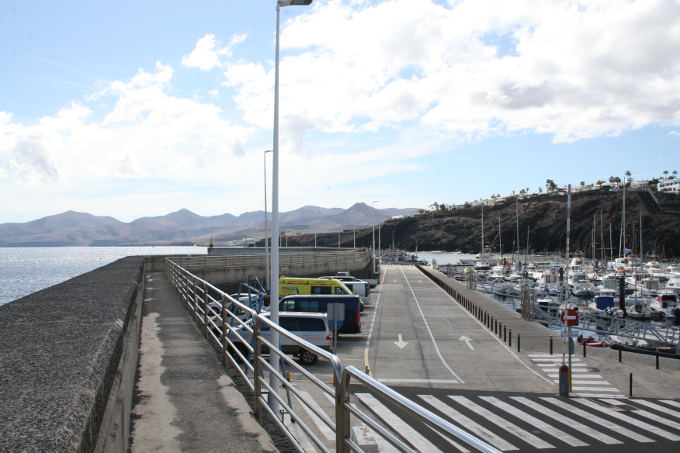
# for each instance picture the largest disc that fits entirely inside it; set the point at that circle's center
(312, 327)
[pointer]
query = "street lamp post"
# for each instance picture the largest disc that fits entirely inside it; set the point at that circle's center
(274, 297)
(267, 282)
(373, 250)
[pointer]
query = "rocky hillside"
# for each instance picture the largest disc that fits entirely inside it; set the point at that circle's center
(543, 218)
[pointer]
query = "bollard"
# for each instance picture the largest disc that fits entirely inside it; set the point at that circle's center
(657, 358)
(505, 333)
(564, 380)
(518, 341)
(619, 355)
(495, 326)
(510, 337)
(630, 386)
(584, 348)
(551, 345)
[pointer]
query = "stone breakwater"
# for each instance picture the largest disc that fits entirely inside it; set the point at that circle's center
(67, 362)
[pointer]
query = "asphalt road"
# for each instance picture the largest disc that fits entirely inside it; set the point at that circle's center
(417, 340)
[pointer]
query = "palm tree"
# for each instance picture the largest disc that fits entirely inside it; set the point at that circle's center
(665, 174)
(675, 174)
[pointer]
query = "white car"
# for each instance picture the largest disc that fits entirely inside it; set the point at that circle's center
(312, 327)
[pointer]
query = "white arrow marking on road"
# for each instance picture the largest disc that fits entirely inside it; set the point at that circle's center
(401, 343)
(467, 341)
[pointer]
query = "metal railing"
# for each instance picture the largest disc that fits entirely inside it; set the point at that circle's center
(242, 339)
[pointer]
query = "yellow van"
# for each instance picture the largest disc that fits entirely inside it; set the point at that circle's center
(312, 286)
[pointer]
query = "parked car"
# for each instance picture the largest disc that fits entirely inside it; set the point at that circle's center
(312, 327)
(319, 304)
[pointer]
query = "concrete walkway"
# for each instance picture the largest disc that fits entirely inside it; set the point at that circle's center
(185, 400)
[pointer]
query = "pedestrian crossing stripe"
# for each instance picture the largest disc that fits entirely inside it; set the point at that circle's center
(603, 423)
(590, 422)
(537, 422)
(574, 424)
(615, 414)
(502, 422)
(467, 423)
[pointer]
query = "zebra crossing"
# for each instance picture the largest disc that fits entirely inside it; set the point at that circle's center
(585, 383)
(509, 422)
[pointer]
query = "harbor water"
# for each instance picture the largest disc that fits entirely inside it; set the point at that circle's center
(25, 270)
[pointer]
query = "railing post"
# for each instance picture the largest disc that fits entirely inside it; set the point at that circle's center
(551, 346)
(619, 355)
(193, 312)
(205, 311)
(342, 414)
(584, 348)
(223, 336)
(510, 337)
(257, 384)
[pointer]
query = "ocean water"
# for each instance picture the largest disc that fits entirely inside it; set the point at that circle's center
(25, 270)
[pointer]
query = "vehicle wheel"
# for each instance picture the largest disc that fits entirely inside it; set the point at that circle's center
(308, 358)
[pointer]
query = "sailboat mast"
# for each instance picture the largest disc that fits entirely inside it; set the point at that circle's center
(568, 218)
(517, 220)
(500, 238)
(482, 256)
(603, 251)
(640, 234)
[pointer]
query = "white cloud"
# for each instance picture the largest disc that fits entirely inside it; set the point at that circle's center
(206, 55)
(574, 70)
(147, 133)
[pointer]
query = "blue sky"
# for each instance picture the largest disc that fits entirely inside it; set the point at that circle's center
(143, 108)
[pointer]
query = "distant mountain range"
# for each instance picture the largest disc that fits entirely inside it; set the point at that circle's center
(183, 227)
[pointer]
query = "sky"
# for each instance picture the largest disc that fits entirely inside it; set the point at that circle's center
(142, 108)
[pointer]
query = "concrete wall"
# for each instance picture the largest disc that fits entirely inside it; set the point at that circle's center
(67, 362)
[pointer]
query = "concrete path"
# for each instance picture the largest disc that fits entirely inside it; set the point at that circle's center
(186, 402)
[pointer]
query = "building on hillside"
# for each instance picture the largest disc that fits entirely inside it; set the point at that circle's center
(669, 185)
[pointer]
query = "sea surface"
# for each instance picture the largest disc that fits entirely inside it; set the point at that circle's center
(25, 270)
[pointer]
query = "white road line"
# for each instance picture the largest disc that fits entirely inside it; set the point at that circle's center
(633, 421)
(580, 376)
(427, 326)
(596, 395)
(557, 365)
(370, 441)
(501, 422)
(302, 437)
(586, 382)
(554, 359)
(595, 419)
(588, 431)
(658, 407)
(594, 389)
(538, 423)
(647, 414)
(467, 423)
(397, 424)
(327, 432)
(671, 402)
(418, 381)
(500, 342)
(370, 330)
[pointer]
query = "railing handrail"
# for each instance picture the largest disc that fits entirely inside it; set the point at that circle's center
(194, 290)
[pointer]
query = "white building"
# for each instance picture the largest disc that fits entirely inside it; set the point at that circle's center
(669, 185)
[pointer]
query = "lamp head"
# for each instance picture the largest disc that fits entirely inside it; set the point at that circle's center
(282, 3)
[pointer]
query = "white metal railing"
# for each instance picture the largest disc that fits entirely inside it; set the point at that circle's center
(208, 306)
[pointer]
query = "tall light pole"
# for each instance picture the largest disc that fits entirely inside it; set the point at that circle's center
(373, 250)
(267, 282)
(274, 297)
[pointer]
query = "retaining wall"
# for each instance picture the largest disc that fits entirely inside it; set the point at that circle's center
(68, 357)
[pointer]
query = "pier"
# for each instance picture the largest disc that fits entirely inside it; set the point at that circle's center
(73, 355)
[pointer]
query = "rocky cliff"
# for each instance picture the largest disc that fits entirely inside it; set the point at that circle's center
(542, 218)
